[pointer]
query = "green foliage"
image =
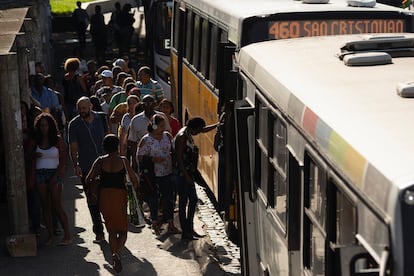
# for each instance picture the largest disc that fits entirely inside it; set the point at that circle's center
(62, 7)
(405, 4)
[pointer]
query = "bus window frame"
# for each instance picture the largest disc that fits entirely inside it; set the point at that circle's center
(276, 169)
(176, 26)
(198, 21)
(340, 187)
(261, 171)
(189, 31)
(205, 50)
(310, 220)
(214, 42)
(158, 8)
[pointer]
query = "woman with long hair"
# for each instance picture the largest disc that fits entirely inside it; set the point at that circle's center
(111, 169)
(50, 169)
(132, 102)
(156, 147)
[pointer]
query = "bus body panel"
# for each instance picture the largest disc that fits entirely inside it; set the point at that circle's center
(348, 116)
(174, 80)
(198, 100)
(164, 62)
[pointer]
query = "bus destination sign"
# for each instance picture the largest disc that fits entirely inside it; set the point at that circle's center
(304, 28)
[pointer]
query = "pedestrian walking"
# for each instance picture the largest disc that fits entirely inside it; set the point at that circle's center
(50, 169)
(155, 150)
(125, 22)
(187, 158)
(149, 86)
(132, 102)
(86, 133)
(33, 202)
(47, 98)
(98, 31)
(139, 125)
(74, 86)
(112, 193)
(80, 20)
(167, 108)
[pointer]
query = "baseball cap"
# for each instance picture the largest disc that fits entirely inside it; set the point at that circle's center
(119, 62)
(107, 74)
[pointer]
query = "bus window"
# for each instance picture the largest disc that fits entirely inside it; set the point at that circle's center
(279, 169)
(373, 230)
(213, 53)
(315, 218)
(345, 220)
(196, 42)
(189, 39)
(163, 27)
(205, 50)
(317, 193)
(262, 167)
(177, 24)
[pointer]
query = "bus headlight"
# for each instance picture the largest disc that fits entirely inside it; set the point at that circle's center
(409, 197)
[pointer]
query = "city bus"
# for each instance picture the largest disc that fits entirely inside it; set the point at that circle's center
(158, 40)
(207, 35)
(325, 156)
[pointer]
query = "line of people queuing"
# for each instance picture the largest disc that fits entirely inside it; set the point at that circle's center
(116, 125)
(119, 29)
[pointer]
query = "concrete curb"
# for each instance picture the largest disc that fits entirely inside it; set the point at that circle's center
(217, 255)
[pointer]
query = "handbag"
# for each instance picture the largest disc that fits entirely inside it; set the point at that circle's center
(135, 212)
(147, 177)
(93, 191)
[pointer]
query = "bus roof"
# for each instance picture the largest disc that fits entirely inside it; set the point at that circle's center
(352, 114)
(232, 13)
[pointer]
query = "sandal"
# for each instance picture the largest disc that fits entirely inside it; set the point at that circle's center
(156, 228)
(117, 265)
(66, 242)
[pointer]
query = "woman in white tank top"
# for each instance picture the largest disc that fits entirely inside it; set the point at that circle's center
(50, 169)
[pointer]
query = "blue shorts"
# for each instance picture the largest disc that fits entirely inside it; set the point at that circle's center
(43, 176)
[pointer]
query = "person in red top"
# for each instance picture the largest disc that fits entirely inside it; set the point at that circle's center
(167, 108)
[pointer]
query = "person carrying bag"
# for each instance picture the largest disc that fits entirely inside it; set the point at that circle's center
(112, 170)
(135, 211)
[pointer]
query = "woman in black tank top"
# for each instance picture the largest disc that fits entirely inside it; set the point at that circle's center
(111, 169)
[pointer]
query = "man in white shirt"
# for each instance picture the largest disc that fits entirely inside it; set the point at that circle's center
(139, 125)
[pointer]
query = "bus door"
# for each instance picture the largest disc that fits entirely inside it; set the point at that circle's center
(244, 129)
(228, 93)
(177, 54)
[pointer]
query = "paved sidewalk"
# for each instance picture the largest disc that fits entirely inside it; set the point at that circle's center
(145, 254)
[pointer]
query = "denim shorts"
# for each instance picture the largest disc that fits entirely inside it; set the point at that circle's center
(43, 176)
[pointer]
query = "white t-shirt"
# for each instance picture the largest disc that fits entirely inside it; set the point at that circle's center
(139, 126)
(49, 158)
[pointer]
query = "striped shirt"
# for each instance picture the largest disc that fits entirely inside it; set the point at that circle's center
(151, 88)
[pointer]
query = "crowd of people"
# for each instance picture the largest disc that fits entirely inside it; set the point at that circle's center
(112, 121)
(118, 31)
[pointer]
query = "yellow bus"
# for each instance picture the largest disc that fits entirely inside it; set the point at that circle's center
(206, 37)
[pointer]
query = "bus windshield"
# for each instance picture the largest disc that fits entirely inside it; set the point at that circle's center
(162, 32)
(283, 26)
